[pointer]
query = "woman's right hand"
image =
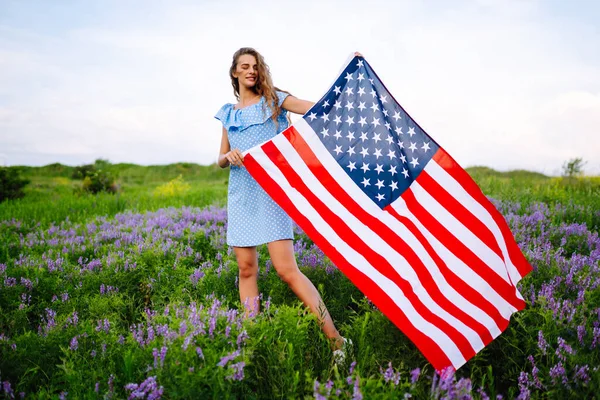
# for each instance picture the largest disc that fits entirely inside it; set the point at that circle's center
(235, 157)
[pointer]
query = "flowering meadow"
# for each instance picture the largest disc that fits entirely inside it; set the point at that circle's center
(142, 302)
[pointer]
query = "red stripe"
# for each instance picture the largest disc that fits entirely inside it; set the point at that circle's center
(430, 349)
(456, 247)
(459, 211)
(463, 178)
(383, 231)
(400, 245)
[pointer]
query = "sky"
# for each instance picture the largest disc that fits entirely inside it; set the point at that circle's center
(508, 84)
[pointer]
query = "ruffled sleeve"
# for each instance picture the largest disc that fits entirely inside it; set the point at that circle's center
(281, 96)
(229, 117)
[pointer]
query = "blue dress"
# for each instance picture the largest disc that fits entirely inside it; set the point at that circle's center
(253, 218)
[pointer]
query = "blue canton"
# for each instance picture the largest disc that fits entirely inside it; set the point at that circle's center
(370, 135)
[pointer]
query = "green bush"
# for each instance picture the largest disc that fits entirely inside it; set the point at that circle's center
(11, 184)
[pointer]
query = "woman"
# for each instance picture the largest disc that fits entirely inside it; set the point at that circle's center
(253, 217)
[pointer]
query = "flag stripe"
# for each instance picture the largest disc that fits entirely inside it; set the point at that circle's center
(422, 213)
(417, 198)
(429, 302)
(462, 243)
(501, 311)
(435, 345)
(462, 253)
(467, 192)
(458, 211)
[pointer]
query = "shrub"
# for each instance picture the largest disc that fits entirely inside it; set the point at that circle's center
(11, 184)
(174, 187)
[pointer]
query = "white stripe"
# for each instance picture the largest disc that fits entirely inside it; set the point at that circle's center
(382, 248)
(461, 232)
(460, 194)
(359, 262)
(457, 265)
(458, 268)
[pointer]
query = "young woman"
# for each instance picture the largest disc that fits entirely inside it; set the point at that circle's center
(253, 217)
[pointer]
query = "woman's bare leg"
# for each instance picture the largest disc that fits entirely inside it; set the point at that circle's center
(284, 262)
(247, 259)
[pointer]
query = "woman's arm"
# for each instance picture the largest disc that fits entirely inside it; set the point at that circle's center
(226, 155)
(295, 105)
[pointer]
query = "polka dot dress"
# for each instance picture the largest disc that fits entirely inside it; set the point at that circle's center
(253, 217)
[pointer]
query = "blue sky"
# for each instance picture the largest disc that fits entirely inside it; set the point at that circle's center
(503, 83)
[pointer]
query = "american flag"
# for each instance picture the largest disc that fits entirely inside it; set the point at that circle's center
(397, 215)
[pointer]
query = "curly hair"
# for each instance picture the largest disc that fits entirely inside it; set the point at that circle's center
(264, 84)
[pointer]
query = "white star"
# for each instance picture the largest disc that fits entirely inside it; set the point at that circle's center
(364, 152)
(399, 130)
(365, 182)
(391, 154)
(377, 153)
(405, 172)
(390, 140)
(338, 134)
(325, 132)
(397, 116)
(425, 146)
(363, 136)
(326, 103)
(361, 105)
(385, 112)
(401, 144)
(373, 92)
(338, 105)
(338, 150)
(337, 90)
(312, 116)
(365, 167)
(379, 168)
(414, 162)
(403, 158)
(348, 77)
(351, 151)
(325, 117)
(361, 91)
(392, 170)
(360, 63)
(380, 196)
(375, 121)
(379, 183)
(383, 99)
(337, 119)
(394, 185)
(360, 77)
(349, 105)
(388, 126)
(371, 80)
(350, 120)
(351, 166)
(350, 136)
(375, 107)
(412, 147)
(411, 131)
(349, 91)
(376, 137)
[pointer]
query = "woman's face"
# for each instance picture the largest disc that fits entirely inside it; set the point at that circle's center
(246, 70)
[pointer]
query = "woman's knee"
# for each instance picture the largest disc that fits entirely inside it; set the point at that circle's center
(288, 273)
(247, 269)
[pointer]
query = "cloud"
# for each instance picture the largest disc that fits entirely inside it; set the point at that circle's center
(495, 82)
